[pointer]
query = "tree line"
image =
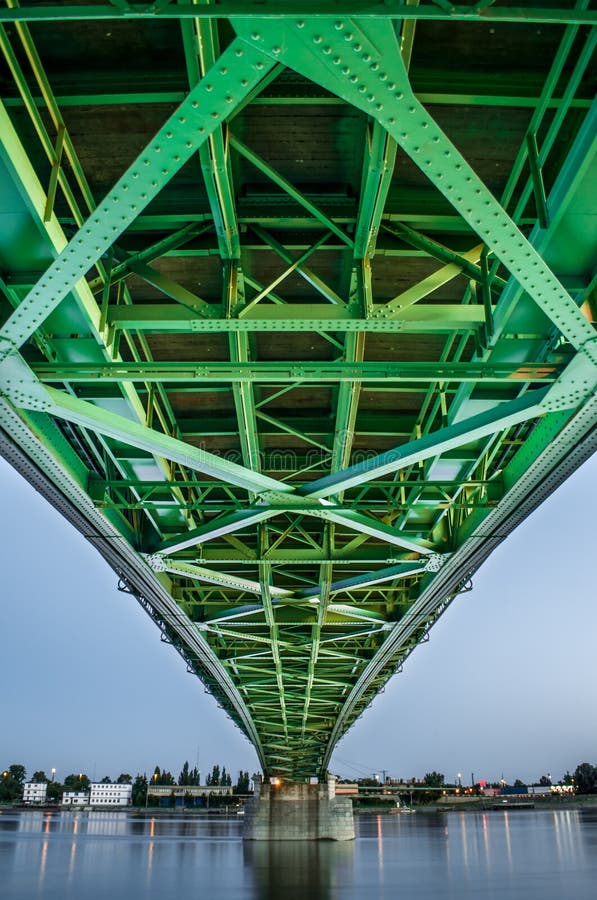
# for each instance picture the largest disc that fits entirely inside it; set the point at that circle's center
(13, 778)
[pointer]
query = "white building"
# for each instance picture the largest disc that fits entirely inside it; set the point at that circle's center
(34, 794)
(102, 794)
(75, 798)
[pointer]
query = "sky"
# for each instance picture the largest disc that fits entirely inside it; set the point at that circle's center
(506, 686)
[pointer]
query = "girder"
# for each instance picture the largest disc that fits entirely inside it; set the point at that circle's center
(297, 317)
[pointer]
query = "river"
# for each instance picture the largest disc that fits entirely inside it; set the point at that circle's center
(546, 854)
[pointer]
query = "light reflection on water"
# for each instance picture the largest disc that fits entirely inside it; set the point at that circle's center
(58, 856)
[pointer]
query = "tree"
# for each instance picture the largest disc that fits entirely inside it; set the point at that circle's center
(585, 778)
(545, 780)
(519, 783)
(55, 791)
(185, 777)
(76, 782)
(17, 772)
(11, 783)
(433, 779)
(106, 780)
(124, 778)
(39, 777)
(139, 797)
(242, 785)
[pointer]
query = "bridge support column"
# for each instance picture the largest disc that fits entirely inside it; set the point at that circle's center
(289, 811)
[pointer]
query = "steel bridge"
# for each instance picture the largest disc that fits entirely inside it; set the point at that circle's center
(297, 304)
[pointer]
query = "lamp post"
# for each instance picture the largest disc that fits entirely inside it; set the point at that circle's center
(53, 771)
(154, 778)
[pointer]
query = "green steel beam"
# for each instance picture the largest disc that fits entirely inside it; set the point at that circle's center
(304, 271)
(299, 317)
(375, 81)
(240, 371)
(288, 188)
(500, 417)
(237, 72)
(97, 419)
(243, 10)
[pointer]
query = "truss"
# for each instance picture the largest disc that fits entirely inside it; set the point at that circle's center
(297, 317)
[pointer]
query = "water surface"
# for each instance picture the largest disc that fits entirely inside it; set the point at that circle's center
(528, 854)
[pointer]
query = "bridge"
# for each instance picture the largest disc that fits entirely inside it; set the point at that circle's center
(297, 306)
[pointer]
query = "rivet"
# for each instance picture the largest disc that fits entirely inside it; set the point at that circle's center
(229, 99)
(189, 144)
(354, 79)
(366, 57)
(338, 26)
(209, 87)
(169, 134)
(135, 174)
(348, 36)
(255, 36)
(224, 70)
(383, 76)
(244, 82)
(357, 47)
(327, 50)
(195, 104)
(215, 115)
(379, 106)
(300, 24)
(157, 149)
(362, 88)
(317, 39)
(336, 60)
(240, 52)
(374, 67)
(276, 49)
(259, 65)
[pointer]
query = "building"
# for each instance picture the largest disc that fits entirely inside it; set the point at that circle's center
(35, 794)
(179, 792)
(75, 798)
(107, 794)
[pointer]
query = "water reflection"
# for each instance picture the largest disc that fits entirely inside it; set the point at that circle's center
(444, 856)
(296, 870)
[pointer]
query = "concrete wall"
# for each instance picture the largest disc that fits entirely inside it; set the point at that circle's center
(298, 812)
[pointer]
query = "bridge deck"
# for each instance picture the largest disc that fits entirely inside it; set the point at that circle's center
(297, 317)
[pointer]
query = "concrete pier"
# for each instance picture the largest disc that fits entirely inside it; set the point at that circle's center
(289, 811)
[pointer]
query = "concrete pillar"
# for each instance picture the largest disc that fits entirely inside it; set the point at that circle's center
(291, 811)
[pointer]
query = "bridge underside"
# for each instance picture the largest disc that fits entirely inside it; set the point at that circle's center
(297, 317)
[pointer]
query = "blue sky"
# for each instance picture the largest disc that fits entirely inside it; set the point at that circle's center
(507, 683)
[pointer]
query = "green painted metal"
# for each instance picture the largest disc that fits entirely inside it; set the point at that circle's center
(250, 9)
(299, 371)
